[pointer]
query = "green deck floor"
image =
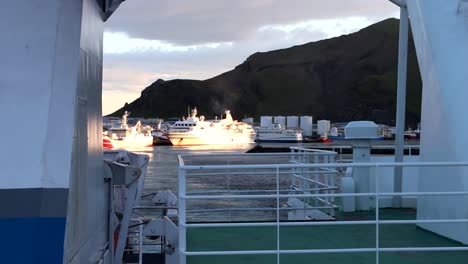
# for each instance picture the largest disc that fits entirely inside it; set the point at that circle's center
(322, 237)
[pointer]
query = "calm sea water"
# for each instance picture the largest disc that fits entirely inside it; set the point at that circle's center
(162, 174)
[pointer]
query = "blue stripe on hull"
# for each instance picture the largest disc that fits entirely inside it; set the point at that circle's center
(32, 240)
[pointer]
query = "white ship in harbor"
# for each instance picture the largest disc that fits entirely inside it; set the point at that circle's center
(276, 133)
(198, 131)
(121, 136)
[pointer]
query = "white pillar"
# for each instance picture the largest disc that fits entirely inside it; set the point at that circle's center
(401, 103)
(362, 132)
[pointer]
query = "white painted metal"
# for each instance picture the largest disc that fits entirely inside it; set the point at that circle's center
(362, 132)
(182, 213)
(51, 78)
(166, 228)
(38, 77)
(377, 193)
(86, 232)
(441, 40)
(318, 251)
(166, 197)
(348, 186)
(128, 177)
(377, 218)
(409, 181)
(401, 100)
(361, 176)
(306, 123)
(400, 3)
(359, 130)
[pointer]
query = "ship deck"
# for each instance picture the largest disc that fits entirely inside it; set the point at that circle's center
(325, 237)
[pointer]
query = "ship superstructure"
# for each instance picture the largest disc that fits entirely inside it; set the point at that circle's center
(197, 131)
(276, 133)
(122, 136)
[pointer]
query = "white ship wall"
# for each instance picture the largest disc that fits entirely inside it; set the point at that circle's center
(50, 98)
(441, 39)
(86, 232)
(410, 180)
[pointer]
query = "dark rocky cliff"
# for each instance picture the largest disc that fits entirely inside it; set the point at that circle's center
(351, 77)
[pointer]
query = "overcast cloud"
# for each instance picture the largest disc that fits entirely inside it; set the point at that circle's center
(150, 39)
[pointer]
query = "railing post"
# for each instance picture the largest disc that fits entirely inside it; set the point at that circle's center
(182, 217)
(326, 181)
(277, 216)
(140, 243)
(377, 205)
(316, 179)
(332, 183)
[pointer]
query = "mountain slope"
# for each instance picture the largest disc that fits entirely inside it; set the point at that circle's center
(351, 77)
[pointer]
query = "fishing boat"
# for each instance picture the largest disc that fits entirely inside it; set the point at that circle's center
(197, 131)
(276, 133)
(121, 136)
(160, 134)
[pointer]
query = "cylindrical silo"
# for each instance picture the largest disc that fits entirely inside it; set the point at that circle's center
(248, 120)
(306, 125)
(323, 127)
(280, 120)
(265, 121)
(292, 121)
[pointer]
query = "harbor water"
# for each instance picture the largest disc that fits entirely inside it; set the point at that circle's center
(162, 174)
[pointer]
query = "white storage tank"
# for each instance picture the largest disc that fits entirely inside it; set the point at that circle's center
(280, 120)
(266, 121)
(323, 127)
(292, 121)
(306, 125)
(248, 120)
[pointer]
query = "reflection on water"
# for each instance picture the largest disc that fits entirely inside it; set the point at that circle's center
(162, 167)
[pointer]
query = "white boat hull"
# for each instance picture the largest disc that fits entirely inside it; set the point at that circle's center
(179, 139)
(132, 142)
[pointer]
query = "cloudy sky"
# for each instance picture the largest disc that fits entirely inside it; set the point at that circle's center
(146, 40)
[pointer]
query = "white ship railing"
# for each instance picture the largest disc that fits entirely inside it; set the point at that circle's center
(300, 180)
(339, 148)
(186, 170)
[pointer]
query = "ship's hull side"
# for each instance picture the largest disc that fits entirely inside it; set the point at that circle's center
(187, 138)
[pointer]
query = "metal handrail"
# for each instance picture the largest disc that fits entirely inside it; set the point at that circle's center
(279, 194)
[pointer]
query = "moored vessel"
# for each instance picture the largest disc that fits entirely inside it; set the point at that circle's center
(276, 133)
(120, 135)
(198, 131)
